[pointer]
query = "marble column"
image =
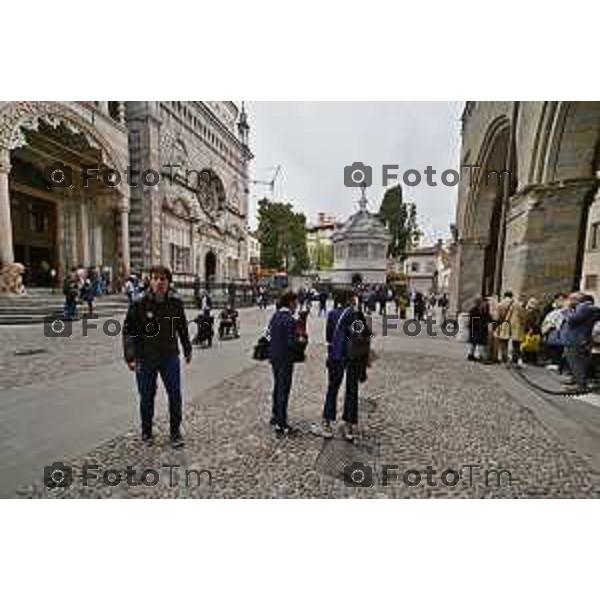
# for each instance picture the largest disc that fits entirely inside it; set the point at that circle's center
(84, 237)
(6, 239)
(123, 208)
(73, 237)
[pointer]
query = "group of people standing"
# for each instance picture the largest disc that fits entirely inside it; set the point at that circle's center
(84, 285)
(348, 342)
(515, 331)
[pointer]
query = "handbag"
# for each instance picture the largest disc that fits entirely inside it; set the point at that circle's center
(262, 348)
(504, 329)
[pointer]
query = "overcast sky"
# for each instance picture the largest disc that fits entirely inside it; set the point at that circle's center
(314, 141)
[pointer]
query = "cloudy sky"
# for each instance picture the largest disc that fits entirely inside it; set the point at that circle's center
(314, 141)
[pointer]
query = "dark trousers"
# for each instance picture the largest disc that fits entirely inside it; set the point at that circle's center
(516, 350)
(70, 308)
(170, 374)
(282, 385)
(578, 359)
(336, 370)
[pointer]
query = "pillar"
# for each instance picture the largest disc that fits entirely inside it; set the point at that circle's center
(6, 239)
(103, 106)
(544, 238)
(84, 237)
(123, 208)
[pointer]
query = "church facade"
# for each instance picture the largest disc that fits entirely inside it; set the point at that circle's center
(528, 212)
(195, 219)
(71, 194)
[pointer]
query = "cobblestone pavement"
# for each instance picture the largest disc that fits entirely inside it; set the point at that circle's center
(423, 405)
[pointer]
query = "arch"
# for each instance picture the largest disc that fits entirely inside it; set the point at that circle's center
(482, 196)
(573, 142)
(15, 115)
(482, 223)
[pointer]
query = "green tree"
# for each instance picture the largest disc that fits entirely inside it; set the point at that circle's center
(401, 220)
(282, 235)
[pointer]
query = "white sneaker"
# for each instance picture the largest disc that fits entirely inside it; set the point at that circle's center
(349, 433)
(327, 430)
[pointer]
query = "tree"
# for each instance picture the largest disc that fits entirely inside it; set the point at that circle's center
(401, 220)
(282, 236)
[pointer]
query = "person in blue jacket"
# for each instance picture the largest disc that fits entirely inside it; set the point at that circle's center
(576, 336)
(282, 331)
(348, 341)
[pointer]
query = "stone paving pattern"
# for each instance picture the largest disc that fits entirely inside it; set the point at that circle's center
(423, 405)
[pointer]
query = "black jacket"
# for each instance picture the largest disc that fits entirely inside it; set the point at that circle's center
(151, 328)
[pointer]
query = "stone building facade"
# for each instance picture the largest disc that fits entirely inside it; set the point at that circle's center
(196, 218)
(319, 243)
(427, 269)
(50, 214)
(71, 195)
(533, 232)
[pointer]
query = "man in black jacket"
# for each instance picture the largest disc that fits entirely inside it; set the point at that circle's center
(152, 326)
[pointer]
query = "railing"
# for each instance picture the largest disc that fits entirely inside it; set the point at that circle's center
(239, 293)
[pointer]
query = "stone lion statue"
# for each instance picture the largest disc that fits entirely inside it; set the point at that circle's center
(11, 279)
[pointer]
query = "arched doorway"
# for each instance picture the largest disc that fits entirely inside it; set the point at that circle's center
(483, 223)
(61, 226)
(357, 279)
(210, 267)
(59, 223)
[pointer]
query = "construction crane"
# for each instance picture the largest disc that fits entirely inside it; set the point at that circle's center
(270, 183)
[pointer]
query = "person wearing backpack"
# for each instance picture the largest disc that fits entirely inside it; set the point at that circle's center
(348, 341)
(282, 349)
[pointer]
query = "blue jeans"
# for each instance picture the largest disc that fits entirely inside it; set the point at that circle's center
(282, 385)
(336, 370)
(146, 376)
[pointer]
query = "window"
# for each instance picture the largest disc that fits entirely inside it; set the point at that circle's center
(591, 282)
(359, 251)
(38, 220)
(180, 258)
(594, 241)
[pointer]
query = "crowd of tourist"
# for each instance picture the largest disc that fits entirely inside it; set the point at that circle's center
(559, 335)
(83, 285)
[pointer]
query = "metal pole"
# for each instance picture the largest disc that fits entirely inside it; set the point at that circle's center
(506, 185)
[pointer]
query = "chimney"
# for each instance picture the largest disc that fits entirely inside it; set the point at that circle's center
(321, 218)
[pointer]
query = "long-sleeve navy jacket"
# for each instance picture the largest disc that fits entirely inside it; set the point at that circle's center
(283, 336)
(578, 324)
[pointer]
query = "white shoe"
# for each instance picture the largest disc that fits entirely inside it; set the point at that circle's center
(326, 430)
(349, 433)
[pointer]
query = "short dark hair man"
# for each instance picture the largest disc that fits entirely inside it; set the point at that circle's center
(152, 326)
(282, 330)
